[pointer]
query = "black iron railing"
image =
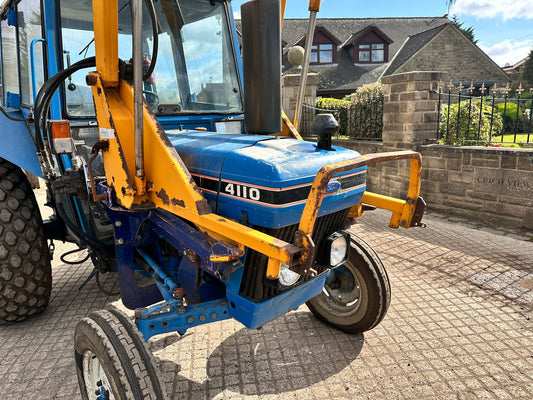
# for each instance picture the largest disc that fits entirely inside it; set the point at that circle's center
(478, 115)
(361, 121)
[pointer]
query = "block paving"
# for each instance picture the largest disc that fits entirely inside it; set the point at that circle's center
(459, 327)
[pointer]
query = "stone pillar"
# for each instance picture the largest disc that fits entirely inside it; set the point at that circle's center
(410, 109)
(410, 116)
(291, 82)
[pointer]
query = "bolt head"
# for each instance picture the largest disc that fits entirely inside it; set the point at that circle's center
(91, 80)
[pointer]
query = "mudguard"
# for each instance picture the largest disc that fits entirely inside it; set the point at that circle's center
(17, 145)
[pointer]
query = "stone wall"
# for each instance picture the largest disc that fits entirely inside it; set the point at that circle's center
(491, 184)
(463, 61)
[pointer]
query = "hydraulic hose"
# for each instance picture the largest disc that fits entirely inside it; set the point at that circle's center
(155, 34)
(44, 97)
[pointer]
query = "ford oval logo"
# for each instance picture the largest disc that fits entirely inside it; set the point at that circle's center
(333, 186)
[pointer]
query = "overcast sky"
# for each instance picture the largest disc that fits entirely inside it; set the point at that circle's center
(504, 27)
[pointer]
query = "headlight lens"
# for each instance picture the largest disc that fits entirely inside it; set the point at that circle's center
(339, 247)
(287, 277)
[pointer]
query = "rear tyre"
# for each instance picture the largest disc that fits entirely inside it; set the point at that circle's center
(111, 357)
(357, 297)
(25, 270)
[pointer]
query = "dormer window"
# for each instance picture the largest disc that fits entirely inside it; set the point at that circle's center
(370, 45)
(322, 53)
(372, 53)
(324, 48)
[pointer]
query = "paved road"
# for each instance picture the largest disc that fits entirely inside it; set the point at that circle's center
(459, 327)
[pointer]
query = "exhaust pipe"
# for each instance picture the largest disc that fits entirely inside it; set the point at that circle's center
(261, 45)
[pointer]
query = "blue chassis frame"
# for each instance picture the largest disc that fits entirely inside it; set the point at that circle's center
(176, 278)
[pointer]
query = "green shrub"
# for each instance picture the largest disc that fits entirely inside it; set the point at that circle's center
(466, 131)
(339, 109)
(510, 115)
(359, 114)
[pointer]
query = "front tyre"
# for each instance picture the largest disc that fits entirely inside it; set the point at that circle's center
(356, 295)
(112, 359)
(25, 270)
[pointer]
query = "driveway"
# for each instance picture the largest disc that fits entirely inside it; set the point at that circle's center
(459, 327)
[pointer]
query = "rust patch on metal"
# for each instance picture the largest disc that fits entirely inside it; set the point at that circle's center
(177, 202)
(203, 207)
(101, 145)
(162, 194)
(149, 185)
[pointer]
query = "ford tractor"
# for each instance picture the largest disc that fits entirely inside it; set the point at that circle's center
(159, 134)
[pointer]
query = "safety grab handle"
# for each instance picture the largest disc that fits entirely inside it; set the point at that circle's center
(403, 210)
(32, 64)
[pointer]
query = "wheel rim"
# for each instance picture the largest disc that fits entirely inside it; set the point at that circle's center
(96, 383)
(342, 291)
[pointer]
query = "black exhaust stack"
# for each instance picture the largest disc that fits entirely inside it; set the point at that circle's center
(261, 48)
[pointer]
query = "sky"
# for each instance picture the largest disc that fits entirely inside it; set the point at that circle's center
(504, 28)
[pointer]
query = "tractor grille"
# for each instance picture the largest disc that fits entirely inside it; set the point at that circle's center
(255, 286)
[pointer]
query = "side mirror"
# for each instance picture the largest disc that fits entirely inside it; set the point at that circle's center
(261, 51)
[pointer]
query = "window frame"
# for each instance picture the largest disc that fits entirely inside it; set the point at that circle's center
(44, 71)
(370, 49)
(316, 49)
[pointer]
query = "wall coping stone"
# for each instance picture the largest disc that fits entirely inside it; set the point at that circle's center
(414, 76)
(481, 149)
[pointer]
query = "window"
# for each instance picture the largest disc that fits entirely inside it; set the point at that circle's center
(195, 71)
(29, 21)
(372, 53)
(10, 78)
(322, 54)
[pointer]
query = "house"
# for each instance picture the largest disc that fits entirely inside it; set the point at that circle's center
(350, 52)
(514, 70)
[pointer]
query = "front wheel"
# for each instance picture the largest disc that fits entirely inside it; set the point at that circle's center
(356, 295)
(112, 360)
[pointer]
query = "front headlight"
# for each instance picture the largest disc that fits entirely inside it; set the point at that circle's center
(337, 247)
(287, 277)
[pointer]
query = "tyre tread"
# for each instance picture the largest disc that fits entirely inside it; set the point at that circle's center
(130, 359)
(20, 224)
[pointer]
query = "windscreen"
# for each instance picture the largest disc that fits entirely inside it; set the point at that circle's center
(195, 70)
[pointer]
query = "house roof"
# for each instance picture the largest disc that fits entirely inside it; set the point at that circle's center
(397, 29)
(410, 46)
(356, 36)
(516, 67)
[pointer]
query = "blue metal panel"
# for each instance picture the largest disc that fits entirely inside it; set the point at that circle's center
(254, 315)
(271, 167)
(12, 17)
(21, 150)
(13, 100)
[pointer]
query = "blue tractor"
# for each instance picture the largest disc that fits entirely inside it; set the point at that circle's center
(167, 157)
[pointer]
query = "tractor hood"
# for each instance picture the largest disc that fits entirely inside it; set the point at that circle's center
(264, 180)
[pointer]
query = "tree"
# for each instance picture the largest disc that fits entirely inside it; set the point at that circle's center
(468, 32)
(527, 72)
